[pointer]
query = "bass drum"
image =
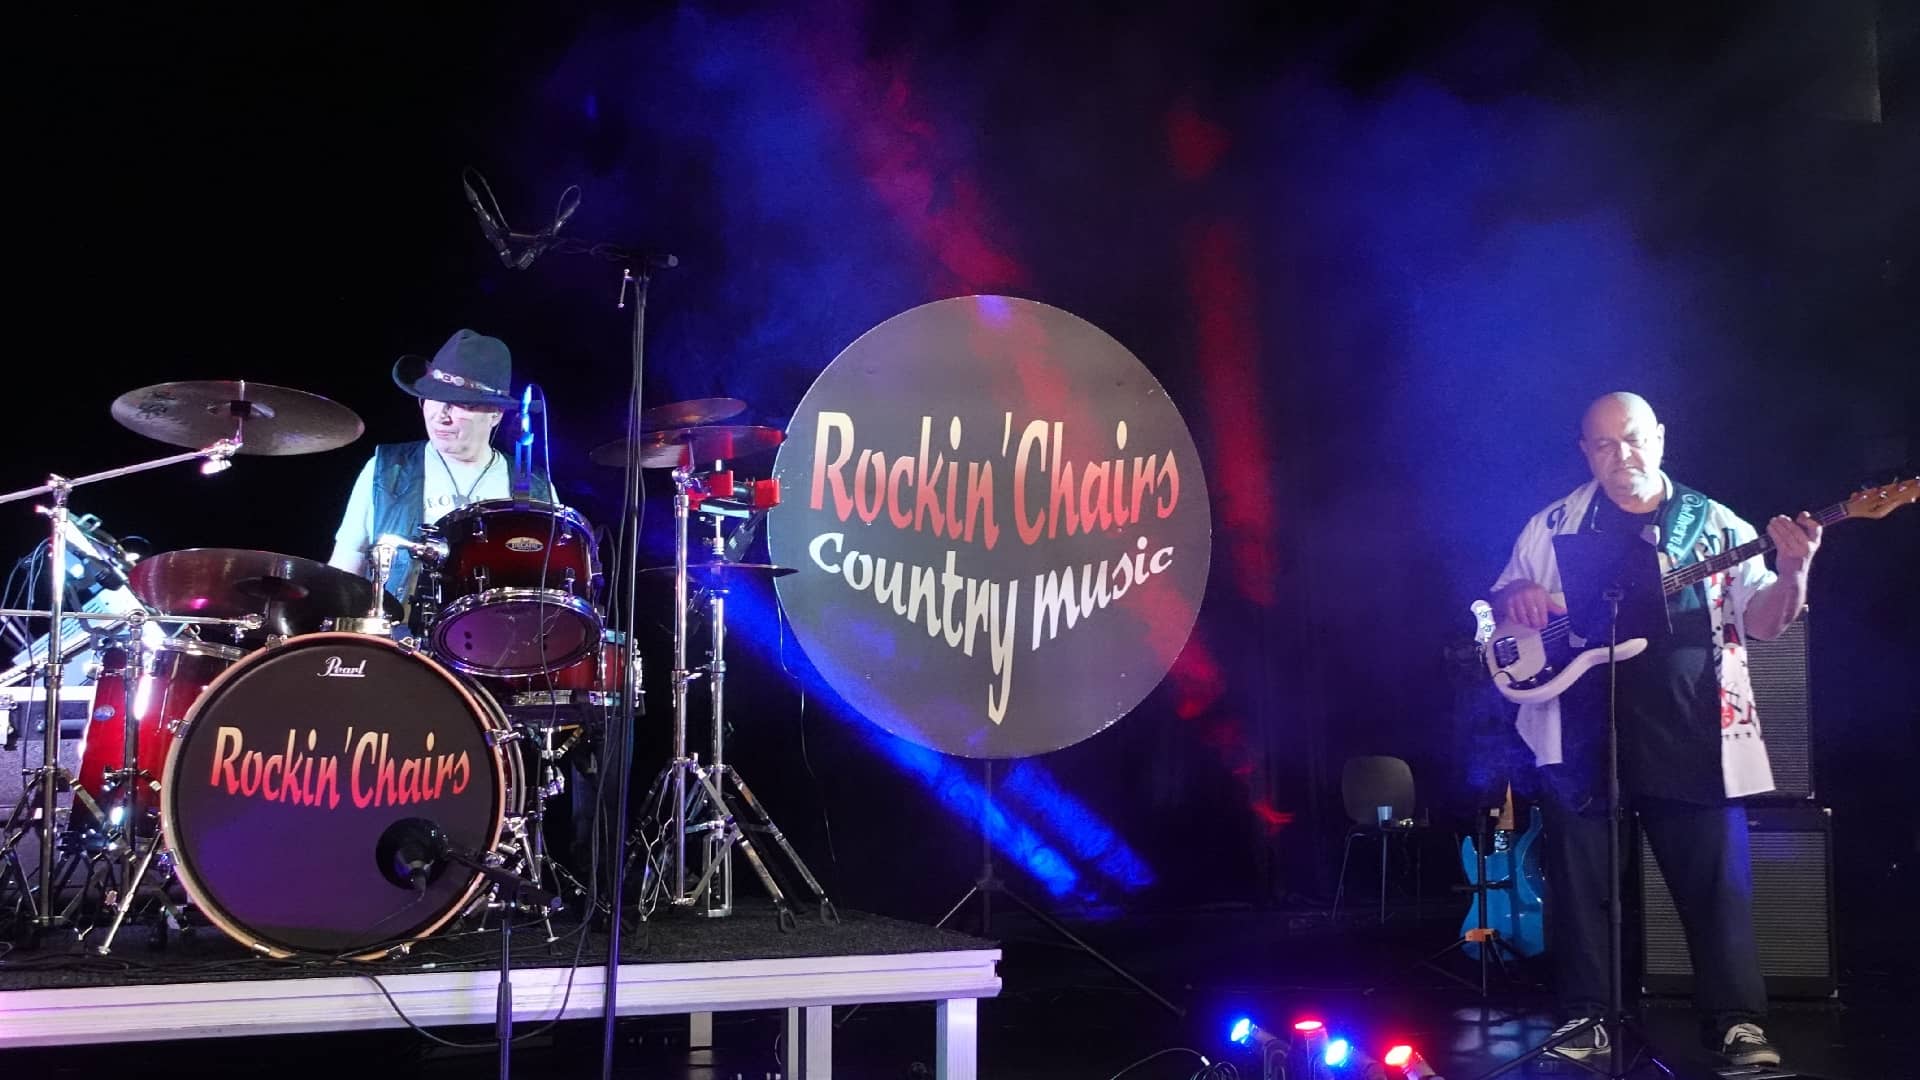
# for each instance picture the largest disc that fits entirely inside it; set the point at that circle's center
(298, 760)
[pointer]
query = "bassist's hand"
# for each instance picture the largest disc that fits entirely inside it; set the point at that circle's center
(1526, 603)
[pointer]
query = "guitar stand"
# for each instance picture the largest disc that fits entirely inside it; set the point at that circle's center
(1494, 949)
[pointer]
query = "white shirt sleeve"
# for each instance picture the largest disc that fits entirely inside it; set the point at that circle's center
(1748, 578)
(355, 534)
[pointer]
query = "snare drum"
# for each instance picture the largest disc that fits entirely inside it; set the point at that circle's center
(300, 760)
(177, 672)
(516, 589)
(590, 682)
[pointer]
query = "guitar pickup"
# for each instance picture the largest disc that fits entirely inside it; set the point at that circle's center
(1506, 651)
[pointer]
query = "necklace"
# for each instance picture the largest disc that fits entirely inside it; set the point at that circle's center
(461, 499)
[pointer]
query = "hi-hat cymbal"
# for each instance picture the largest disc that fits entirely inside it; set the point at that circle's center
(272, 420)
(672, 447)
(725, 574)
(691, 413)
(292, 594)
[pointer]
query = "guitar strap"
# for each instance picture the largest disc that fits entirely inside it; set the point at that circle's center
(1683, 519)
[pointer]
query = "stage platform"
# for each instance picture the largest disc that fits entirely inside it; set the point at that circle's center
(203, 985)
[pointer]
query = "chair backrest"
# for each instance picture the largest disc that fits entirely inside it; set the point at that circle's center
(1370, 782)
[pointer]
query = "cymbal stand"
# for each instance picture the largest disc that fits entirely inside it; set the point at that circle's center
(719, 827)
(213, 458)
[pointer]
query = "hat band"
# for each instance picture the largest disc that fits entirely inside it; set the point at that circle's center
(463, 382)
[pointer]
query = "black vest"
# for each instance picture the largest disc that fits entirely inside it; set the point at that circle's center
(400, 502)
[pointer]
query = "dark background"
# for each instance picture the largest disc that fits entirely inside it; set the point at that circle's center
(1381, 259)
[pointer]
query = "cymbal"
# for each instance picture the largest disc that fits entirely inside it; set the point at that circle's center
(292, 594)
(726, 574)
(273, 420)
(690, 413)
(670, 447)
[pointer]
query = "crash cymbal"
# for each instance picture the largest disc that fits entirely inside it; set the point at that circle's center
(292, 594)
(671, 447)
(716, 572)
(691, 413)
(272, 420)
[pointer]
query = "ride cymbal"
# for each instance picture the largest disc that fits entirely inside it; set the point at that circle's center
(691, 413)
(269, 420)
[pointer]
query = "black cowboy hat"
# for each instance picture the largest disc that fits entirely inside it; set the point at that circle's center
(470, 369)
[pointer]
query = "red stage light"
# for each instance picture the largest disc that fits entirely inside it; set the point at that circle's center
(1308, 1026)
(1399, 1056)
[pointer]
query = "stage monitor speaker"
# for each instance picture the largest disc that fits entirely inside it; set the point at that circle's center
(1792, 850)
(1780, 694)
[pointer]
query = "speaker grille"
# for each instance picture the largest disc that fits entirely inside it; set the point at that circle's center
(1792, 909)
(1779, 671)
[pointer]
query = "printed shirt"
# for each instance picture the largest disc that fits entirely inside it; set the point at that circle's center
(1743, 758)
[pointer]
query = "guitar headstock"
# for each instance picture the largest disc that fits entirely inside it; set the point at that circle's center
(1881, 501)
(1482, 622)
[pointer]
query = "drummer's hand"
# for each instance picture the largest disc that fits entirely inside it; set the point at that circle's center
(1526, 603)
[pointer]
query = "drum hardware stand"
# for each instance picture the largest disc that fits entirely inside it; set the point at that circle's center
(213, 458)
(720, 827)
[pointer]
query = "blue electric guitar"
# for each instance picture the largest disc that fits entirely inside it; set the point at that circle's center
(1516, 883)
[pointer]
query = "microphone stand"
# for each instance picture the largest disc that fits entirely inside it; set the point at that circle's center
(1614, 1023)
(619, 738)
(515, 890)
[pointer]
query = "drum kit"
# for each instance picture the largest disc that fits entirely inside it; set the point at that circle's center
(276, 736)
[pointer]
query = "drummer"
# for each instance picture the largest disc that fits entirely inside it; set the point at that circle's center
(464, 394)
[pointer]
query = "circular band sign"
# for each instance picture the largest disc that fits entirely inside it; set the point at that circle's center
(1000, 526)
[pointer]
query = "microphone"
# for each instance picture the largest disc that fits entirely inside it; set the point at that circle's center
(412, 853)
(495, 234)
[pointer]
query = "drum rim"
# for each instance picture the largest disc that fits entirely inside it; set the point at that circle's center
(472, 602)
(503, 791)
(233, 654)
(500, 506)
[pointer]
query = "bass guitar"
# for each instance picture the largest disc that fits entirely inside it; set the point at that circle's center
(1515, 887)
(1530, 666)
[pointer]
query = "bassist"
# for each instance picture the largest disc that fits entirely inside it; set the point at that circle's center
(1689, 736)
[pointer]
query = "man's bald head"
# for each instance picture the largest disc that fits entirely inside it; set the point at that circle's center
(1624, 442)
(1618, 405)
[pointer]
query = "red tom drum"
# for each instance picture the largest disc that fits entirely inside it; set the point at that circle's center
(588, 683)
(175, 675)
(516, 589)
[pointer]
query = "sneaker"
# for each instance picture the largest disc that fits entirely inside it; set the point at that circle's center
(1582, 1046)
(1746, 1044)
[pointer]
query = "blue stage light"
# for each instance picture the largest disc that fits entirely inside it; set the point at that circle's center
(1242, 1031)
(1336, 1053)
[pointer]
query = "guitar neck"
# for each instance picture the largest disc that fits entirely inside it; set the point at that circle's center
(1694, 573)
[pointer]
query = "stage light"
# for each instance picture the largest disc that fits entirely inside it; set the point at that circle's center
(1411, 1065)
(1247, 1033)
(1307, 1027)
(1336, 1053)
